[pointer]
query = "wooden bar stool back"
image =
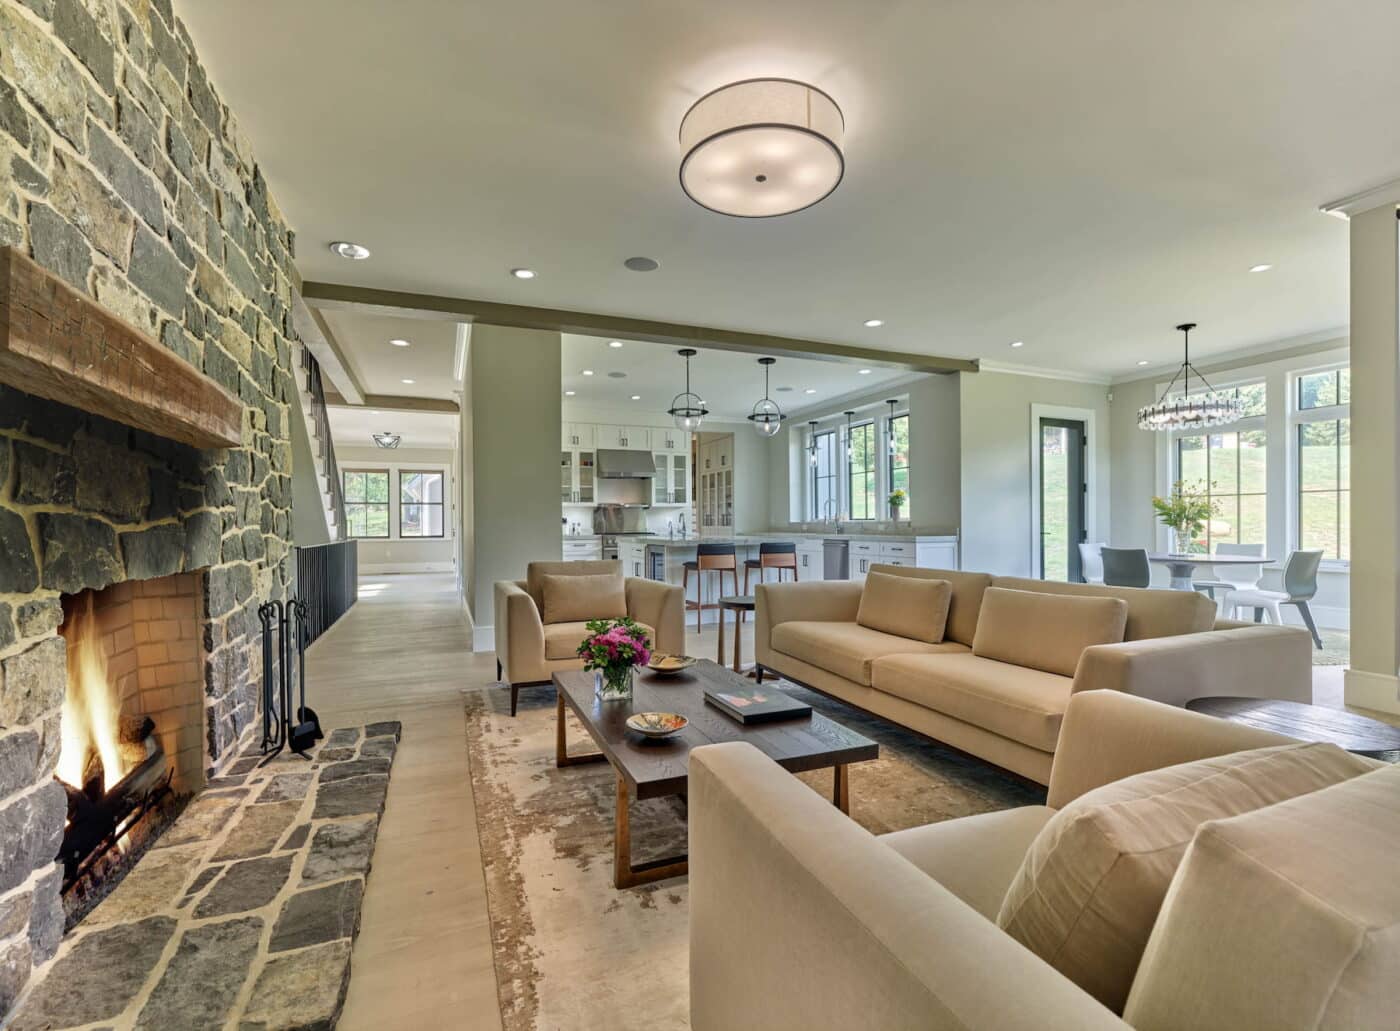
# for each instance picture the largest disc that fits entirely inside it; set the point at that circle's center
(709, 557)
(777, 556)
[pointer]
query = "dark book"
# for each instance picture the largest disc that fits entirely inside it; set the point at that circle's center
(754, 703)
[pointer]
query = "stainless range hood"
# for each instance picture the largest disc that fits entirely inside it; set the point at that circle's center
(624, 465)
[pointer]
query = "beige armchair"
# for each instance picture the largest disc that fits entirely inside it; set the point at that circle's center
(530, 651)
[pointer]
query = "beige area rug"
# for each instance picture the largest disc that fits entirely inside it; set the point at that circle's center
(571, 951)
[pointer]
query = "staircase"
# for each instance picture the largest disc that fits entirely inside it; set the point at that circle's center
(318, 432)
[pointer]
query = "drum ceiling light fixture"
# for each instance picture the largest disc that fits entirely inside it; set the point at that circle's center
(761, 147)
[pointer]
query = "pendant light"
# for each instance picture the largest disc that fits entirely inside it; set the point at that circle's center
(812, 442)
(687, 409)
(890, 428)
(387, 440)
(1185, 412)
(767, 417)
(850, 446)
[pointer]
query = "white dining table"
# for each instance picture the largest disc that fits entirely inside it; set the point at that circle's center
(1185, 568)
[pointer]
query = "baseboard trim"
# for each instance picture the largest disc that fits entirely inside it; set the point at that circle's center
(389, 568)
(483, 638)
(1379, 691)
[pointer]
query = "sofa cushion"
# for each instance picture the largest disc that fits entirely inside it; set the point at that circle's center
(974, 857)
(1151, 613)
(569, 599)
(1285, 917)
(535, 573)
(905, 606)
(1022, 704)
(1089, 891)
(962, 606)
(846, 649)
(561, 640)
(1045, 632)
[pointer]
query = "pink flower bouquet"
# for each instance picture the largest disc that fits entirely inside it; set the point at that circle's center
(612, 648)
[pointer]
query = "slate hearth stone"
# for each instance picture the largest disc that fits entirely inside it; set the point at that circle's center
(286, 787)
(248, 885)
(342, 738)
(297, 837)
(341, 849)
(355, 768)
(258, 830)
(304, 990)
(202, 982)
(98, 977)
(335, 755)
(152, 885)
(392, 728)
(379, 747)
(201, 820)
(205, 876)
(355, 797)
(318, 915)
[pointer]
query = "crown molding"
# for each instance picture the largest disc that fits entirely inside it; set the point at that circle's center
(1071, 375)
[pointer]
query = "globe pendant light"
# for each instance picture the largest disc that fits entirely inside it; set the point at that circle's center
(812, 442)
(687, 409)
(891, 448)
(767, 417)
(1186, 412)
(761, 147)
(850, 438)
(387, 440)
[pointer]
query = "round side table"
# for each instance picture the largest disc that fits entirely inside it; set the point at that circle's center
(1359, 734)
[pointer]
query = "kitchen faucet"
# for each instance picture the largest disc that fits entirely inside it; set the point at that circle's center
(830, 513)
(683, 530)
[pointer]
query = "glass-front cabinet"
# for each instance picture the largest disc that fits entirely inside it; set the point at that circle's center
(576, 477)
(670, 482)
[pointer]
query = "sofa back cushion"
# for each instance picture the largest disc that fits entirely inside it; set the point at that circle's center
(535, 573)
(963, 604)
(1093, 881)
(906, 606)
(573, 599)
(1043, 632)
(1285, 917)
(1151, 613)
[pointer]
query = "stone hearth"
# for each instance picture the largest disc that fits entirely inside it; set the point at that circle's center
(244, 913)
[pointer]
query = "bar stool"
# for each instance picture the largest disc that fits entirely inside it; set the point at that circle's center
(772, 556)
(708, 556)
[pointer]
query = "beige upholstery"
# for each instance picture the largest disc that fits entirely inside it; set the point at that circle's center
(535, 573)
(572, 599)
(974, 857)
(906, 606)
(1284, 918)
(847, 649)
(964, 604)
(1045, 632)
(1093, 880)
(561, 640)
(1025, 705)
(1151, 613)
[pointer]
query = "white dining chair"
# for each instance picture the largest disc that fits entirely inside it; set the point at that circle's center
(1232, 579)
(1091, 561)
(1299, 587)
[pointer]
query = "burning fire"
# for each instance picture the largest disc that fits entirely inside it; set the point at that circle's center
(91, 709)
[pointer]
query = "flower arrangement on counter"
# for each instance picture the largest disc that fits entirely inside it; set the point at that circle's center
(897, 500)
(612, 649)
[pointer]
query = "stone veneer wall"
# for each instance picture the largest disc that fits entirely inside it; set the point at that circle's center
(123, 172)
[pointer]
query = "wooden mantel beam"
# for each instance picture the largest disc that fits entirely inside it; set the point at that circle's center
(60, 344)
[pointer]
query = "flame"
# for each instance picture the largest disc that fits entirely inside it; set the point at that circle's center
(91, 706)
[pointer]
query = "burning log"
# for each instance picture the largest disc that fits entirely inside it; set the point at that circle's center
(95, 824)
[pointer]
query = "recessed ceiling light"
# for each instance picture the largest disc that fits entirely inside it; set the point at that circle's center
(783, 390)
(588, 372)
(636, 397)
(1018, 343)
(399, 342)
(865, 372)
(614, 343)
(570, 393)
(1144, 362)
(873, 323)
(523, 273)
(1263, 267)
(353, 251)
(642, 264)
(406, 381)
(810, 390)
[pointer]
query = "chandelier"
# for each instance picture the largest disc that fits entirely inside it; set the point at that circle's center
(687, 409)
(767, 417)
(387, 440)
(1189, 411)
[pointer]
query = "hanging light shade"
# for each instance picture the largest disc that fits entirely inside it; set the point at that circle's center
(891, 447)
(761, 147)
(1207, 407)
(812, 442)
(387, 440)
(687, 409)
(767, 417)
(850, 444)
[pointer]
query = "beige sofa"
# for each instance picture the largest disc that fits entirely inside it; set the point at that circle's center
(800, 918)
(530, 651)
(1173, 650)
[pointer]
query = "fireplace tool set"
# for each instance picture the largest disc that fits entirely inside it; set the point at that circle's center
(284, 636)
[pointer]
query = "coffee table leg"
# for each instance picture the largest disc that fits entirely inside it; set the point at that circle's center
(841, 788)
(625, 875)
(561, 747)
(719, 657)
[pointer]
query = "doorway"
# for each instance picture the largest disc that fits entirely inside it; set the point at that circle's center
(1062, 490)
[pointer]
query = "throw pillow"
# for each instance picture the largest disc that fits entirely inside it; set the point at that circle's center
(1088, 892)
(905, 606)
(1047, 632)
(572, 599)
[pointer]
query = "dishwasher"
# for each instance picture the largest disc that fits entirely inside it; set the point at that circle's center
(836, 559)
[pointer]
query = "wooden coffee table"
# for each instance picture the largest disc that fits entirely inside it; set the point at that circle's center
(1358, 734)
(654, 769)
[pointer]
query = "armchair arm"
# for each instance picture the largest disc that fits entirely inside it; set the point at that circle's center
(783, 885)
(519, 634)
(660, 606)
(1109, 735)
(827, 601)
(1256, 661)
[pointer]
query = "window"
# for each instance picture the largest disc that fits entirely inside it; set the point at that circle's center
(1232, 469)
(1324, 463)
(367, 503)
(824, 500)
(420, 504)
(899, 462)
(860, 465)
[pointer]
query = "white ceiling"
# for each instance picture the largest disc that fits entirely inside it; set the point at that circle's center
(355, 427)
(381, 367)
(729, 382)
(1078, 175)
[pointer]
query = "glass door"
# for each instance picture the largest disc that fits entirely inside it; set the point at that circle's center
(566, 477)
(660, 492)
(679, 479)
(1062, 491)
(585, 477)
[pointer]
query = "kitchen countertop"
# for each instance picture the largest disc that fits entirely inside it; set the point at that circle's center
(744, 539)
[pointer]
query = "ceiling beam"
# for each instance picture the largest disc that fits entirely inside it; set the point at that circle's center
(394, 403)
(388, 302)
(317, 337)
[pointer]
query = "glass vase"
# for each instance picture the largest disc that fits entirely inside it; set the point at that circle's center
(613, 685)
(1181, 542)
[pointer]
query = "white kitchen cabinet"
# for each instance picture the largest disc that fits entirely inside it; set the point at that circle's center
(937, 555)
(716, 455)
(576, 469)
(811, 559)
(670, 484)
(670, 440)
(632, 553)
(582, 551)
(578, 435)
(628, 438)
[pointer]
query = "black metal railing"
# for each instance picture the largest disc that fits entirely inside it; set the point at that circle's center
(325, 449)
(327, 579)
